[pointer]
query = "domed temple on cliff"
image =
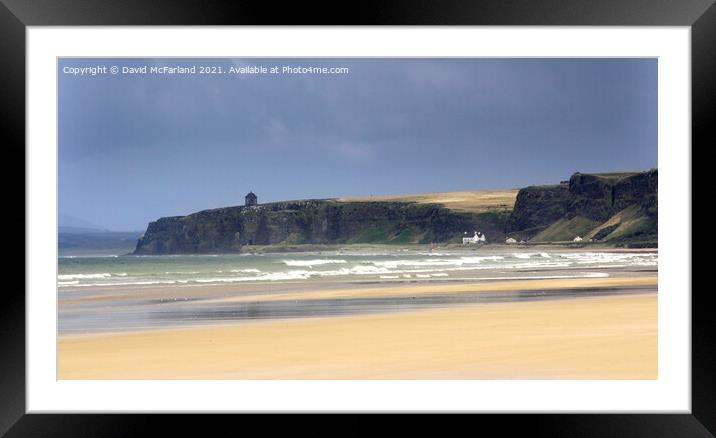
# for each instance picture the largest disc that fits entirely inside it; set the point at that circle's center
(251, 199)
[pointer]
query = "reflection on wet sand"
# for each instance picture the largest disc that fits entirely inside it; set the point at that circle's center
(591, 327)
(158, 313)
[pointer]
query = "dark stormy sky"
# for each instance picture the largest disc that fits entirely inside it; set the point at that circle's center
(135, 147)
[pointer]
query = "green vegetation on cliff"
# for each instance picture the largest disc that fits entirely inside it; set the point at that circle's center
(605, 207)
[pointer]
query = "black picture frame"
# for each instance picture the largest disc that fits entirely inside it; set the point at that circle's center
(16, 15)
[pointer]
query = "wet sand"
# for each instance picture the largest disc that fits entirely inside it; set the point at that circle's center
(578, 337)
(156, 307)
(339, 289)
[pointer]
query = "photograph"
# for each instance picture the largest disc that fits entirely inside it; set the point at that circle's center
(358, 218)
(238, 209)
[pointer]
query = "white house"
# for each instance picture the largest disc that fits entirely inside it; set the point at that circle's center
(478, 237)
(577, 239)
(510, 240)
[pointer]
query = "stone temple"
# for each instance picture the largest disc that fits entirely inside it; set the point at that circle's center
(251, 199)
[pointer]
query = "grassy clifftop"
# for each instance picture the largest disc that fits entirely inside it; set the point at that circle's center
(466, 202)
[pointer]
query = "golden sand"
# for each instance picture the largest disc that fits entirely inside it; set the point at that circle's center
(468, 201)
(586, 338)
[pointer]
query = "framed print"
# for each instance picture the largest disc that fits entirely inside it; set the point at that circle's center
(358, 219)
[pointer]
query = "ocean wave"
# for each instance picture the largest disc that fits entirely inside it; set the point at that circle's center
(122, 283)
(272, 276)
(480, 259)
(355, 270)
(321, 266)
(394, 264)
(311, 263)
(303, 275)
(475, 260)
(613, 259)
(83, 276)
(290, 275)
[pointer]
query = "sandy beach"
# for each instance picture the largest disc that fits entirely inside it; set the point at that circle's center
(590, 337)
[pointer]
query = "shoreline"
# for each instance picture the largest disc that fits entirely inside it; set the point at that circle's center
(166, 307)
(422, 247)
(308, 288)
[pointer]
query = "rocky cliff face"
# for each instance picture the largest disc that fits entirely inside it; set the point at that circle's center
(599, 206)
(236, 229)
(586, 202)
(601, 196)
(538, 206)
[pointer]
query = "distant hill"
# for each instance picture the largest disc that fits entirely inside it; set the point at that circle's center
(69, 221)
(77, 241)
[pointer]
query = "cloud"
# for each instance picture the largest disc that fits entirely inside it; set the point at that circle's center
(354, 151)
(276, 130)
(437, 76)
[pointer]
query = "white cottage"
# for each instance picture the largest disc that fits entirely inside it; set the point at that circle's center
(510, 240)
(478, 237)
(577, 239)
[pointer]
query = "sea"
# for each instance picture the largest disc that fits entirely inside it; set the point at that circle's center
(400, 265)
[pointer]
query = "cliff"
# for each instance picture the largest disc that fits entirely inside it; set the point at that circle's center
(538, 206)
(604, 207)
(609, 207)
(234, 229)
